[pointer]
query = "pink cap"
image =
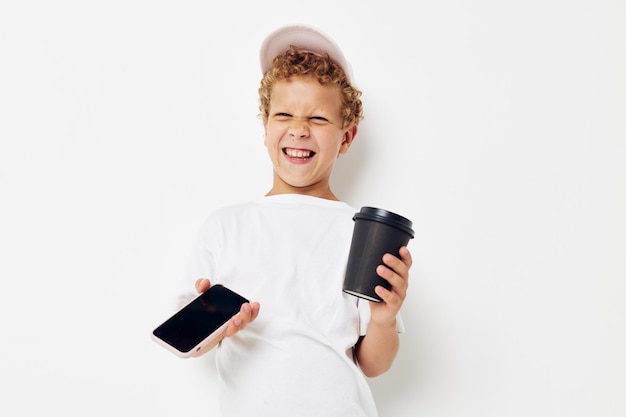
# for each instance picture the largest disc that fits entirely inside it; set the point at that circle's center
(305, 37)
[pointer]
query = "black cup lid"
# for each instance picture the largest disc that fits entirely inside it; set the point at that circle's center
(387, 217)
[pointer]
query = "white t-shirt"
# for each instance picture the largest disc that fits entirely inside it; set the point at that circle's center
(288, 252)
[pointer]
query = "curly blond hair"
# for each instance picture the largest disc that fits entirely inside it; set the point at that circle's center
(296, 62)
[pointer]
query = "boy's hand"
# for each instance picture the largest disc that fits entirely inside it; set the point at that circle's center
(396, 271)
(247, 314)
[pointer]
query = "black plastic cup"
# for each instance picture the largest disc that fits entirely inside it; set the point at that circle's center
(376, 232)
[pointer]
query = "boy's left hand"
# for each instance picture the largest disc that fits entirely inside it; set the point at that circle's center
(396, 271)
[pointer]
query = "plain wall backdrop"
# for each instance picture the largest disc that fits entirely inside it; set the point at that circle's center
(498, 127)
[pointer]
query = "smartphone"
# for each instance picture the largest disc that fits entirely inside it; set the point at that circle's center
(200, 322)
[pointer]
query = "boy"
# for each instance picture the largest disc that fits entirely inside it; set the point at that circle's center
(305, 353)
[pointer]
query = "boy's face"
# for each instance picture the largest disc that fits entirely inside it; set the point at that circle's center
(304, 136)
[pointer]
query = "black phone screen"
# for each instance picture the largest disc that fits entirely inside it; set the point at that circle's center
(201, 317)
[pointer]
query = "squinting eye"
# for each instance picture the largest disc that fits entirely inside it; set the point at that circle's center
(282, 116)
(318, 119)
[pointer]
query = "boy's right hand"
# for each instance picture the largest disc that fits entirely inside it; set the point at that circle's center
(246, 315)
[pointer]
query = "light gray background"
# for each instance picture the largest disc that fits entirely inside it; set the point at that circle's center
(497, 127)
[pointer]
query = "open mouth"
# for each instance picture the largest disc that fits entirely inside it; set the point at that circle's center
(302, 154)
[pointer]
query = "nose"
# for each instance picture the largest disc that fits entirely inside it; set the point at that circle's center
(299, 127)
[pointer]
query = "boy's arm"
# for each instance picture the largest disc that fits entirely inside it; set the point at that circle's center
(376, 351)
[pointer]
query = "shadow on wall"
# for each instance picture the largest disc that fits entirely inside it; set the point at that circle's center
(346, 180)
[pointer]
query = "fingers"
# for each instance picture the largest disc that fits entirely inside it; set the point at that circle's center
(406, 256)
(395, 268)
(246, 315)
(400, 265)
(202, 284)
(396, 271)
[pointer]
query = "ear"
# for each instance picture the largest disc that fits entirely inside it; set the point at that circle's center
(348, 137)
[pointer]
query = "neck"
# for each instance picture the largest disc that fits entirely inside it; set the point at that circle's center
(324, 193)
